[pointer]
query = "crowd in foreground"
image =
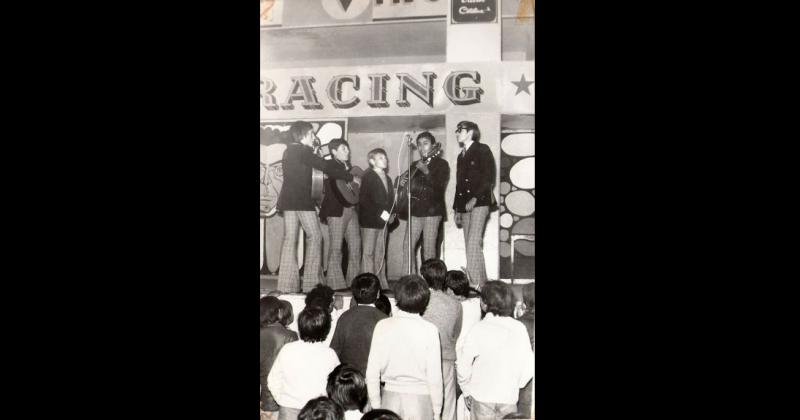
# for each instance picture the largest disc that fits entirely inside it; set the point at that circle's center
(446, 352)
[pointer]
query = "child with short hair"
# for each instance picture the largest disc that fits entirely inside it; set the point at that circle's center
(445, 312)
(381, 414)
(321, 408)
(273, 337)
(286, 313)
(346, 387)
(353, 335)
(496, 359)
(300, 372)
(406, 354)
(376, 199)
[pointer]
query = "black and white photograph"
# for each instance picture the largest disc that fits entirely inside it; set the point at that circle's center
(397, 209)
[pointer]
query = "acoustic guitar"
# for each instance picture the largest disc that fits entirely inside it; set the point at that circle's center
(317, 178)
(348, 191)
(402, 197)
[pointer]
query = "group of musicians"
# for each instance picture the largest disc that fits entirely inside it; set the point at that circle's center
(365, 225)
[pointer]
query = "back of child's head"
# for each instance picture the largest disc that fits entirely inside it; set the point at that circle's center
(383, 304)
(365, 288)
(346, 387)
(321, 408)
(528, 295)
(381, 414)
(321, 296)
(412, 294)
(286, 313)
(313, 324)
(498, 298)
(270, 310)
(457, 281)
(434, 271)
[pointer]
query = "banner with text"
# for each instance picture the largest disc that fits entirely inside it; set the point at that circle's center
(417, 89)
(408, 9)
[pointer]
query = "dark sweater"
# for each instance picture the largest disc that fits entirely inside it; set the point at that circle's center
(296, 190)
(353, 336)
(273, 338)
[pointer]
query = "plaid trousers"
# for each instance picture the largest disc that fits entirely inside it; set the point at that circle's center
(289, 273)
(339, 226)
(428, 227)
(373, 254)
(474, 223)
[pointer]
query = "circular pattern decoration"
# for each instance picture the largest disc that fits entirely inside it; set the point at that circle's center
(519, 144)
(506, 220)
(523, 173)
(505, 187)
(521, 203)
(503, 234)
(505, 249)
(516, 218)
(328, 132)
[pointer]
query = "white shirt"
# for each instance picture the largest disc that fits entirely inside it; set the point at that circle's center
(353, 415)
(405, 353)
(471, 315)
(467, 144)
(496, 360)
(300, 373)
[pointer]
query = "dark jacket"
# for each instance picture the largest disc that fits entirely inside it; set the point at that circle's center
(373, 200)
(273, 338)
(475, 174)
(332, 203)
(427, 191)
(353, 335)
(297, 163)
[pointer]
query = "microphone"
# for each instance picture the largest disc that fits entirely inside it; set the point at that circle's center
(411, 142)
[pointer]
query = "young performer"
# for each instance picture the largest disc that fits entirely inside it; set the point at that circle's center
(475, 175)
(428, 184)
(298, 208)
(376, 197)
(342, 219)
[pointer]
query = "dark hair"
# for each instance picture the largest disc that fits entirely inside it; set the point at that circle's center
(321, 295)
(528, 295)
(270, 307)
(321, 408)
(335, 143)
(298, 129)
(365, 288)
(286, 312)
(380, 414)
(456, 280)
(411, 294)
(434, 271)
(498, 297)
(314, 324)
(469, 125)
(373, 152)
(347, 387)
(384, 305)
(426, 135)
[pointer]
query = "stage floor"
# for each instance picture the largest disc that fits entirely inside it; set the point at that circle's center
(270, 283)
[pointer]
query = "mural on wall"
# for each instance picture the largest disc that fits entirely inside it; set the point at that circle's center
(517, 204)
(274, 138)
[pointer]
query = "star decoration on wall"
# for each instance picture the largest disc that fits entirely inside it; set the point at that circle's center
(522, 85)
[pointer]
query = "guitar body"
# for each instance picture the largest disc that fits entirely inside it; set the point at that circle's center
(348, 191)
(401, 205)
(317, 186)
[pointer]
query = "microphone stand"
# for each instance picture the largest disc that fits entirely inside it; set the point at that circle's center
(408, 197)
